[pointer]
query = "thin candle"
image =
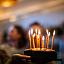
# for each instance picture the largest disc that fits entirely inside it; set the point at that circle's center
(43, 42)
(31, 31)
(47, 38)
(40, 38)
(47, 31)
(36, 38)
(36, 31)
(38, 41)
(33, 41)
(53, 39)
(49, 34)
(39, 35)
(39, 32)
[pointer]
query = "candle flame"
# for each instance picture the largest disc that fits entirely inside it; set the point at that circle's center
(36, 31)
(47, 31)
(49, 34)
(54, 33)
(31, 31)
(39, 32)
(34, 35)
(43, 38)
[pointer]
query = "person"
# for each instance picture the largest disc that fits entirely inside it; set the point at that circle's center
(15, 43)
(17, 37)
(37, 26)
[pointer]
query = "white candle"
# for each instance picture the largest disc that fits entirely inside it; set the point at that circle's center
(39, 32)
(53, 39)
(47, 31)
(40, 38)
(49, 34)
(54, 33)
(31, 31)
(43, 41)
(36, 31)
(48, 38)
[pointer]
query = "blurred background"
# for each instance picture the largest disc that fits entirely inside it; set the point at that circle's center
(48, 13)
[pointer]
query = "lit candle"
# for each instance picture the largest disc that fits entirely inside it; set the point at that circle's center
(36, 31)
(43, 42)
(53, 39)
(47, 38)
(39, 35)
(38, 41)
(47, 31)
(31, 31)
(33, 41)
(36, 38)
(29, 40)
(39, 32)
(49, 34)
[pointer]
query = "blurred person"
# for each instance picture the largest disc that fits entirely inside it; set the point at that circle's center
(14, 40)
(17, 36)
(17, 39)
(37, 26)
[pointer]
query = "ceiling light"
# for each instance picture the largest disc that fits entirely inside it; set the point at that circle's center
(8, 3)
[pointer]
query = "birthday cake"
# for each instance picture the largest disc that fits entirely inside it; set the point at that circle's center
(41, 55)
(38, 51)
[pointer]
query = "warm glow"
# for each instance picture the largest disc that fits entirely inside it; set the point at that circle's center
(36, 31)
(33, 40)
(43, 42)
(54, 33)
(34, 35)
(37, 41)
(47, 31)
(8, 3)
(49, 34)
(43, 38)
(38, 36)
(39, 32)
(31, 31)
